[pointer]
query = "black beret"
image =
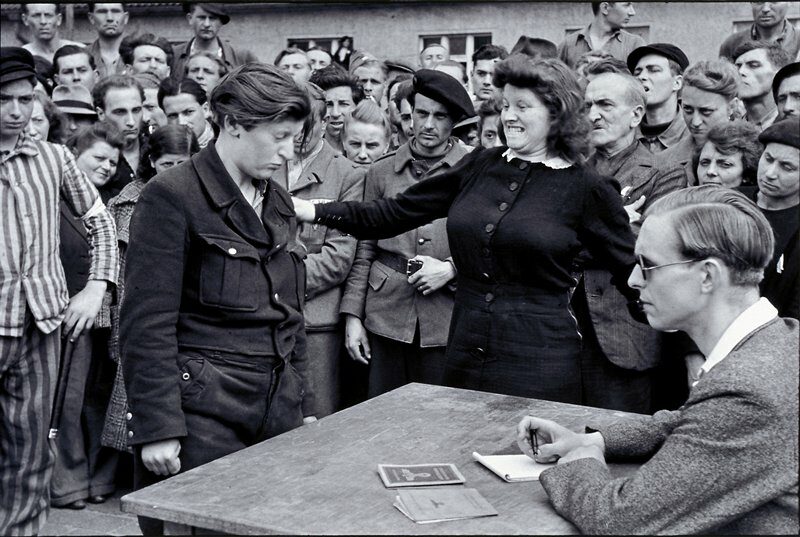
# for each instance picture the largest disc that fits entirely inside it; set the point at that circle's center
(445, 90)
(783, 73)
(535, 47)
(16, 63)
(670, 52)
(215, 9)
(786, 132)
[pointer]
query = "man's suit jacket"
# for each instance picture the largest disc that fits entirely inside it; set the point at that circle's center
(725, 462)
(381, 296)
(626, 342)
(330, 253)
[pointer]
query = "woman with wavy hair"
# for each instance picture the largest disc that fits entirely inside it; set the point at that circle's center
(517, 216)
(730, 155)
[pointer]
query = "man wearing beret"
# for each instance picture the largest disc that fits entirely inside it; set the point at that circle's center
(659, 67)
(786, 90)
(397, 322)
(778, 198)
(206, 19)
(34, 177)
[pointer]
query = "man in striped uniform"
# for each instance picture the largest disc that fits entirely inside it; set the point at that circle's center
(34, 303)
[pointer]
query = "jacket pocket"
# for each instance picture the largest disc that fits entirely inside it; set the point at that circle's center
(194, 374)
(229, 272)
(377, 277)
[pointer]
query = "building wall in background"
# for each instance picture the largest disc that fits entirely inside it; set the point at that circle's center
(396, 30)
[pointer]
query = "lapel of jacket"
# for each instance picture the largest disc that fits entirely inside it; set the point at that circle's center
(226, 197)
(312, 174)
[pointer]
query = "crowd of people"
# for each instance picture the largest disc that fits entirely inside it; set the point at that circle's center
(201, 251)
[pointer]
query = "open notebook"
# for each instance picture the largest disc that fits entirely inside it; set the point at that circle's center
(512, 468)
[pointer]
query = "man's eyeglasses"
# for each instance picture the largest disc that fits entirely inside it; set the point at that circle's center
(645, 268)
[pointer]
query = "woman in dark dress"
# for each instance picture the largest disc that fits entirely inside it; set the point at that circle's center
(516, 218)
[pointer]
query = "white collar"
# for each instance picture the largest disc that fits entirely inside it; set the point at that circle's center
(555, 163)
(748, 321)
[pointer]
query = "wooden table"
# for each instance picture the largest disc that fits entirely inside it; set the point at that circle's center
(322, 478)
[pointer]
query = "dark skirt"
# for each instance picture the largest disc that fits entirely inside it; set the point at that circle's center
(514, 340)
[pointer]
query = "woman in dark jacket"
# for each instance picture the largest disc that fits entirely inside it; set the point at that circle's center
(211, 327)
(516, 219)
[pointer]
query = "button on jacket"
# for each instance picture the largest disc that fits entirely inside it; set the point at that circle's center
(381, 296)
(204, 273)
(330, 253)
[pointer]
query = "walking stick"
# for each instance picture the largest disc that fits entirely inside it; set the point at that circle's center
(61, 386)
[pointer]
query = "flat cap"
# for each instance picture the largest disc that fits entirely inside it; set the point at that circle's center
(399, 65)
(786, 132)
(445, 90)
(73, 99)
(783, 73)
(667, 50)
(215, 9)
(16, 63)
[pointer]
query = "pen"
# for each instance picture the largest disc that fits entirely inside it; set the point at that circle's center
(534, 442)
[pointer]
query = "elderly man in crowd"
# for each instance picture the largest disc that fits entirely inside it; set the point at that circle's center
(618, 351)
(109, 20)
(659, 67)
(206, 19)
(44, 20)
(74, 65)
(758, 61)
(433, 55)
(726, 461)
(390, 324)
(33, 299)
(603, 33)
(786, 90)
(770, 25)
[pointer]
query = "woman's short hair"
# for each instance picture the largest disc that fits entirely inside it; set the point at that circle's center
(738, 136)
(170, 88)
(558, 88)
(256, 93)
(54, 116)
(222, 69)
(167, 140)
(715, 76)
(714, 221)
(367, 111)
(404, 91)
(288, 52)
(102, 131)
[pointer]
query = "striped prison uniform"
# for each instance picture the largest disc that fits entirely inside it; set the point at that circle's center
(34, 176)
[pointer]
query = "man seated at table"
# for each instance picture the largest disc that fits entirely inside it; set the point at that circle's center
(726, 461)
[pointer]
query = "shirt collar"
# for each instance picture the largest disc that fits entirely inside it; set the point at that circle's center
(584, 33)
(207, 136)
(748, 321)
(25, 146)
(554, 163)
(779, 39)
(403, 155)
(673, 134)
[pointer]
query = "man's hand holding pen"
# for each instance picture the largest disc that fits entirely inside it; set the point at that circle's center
(546, 441)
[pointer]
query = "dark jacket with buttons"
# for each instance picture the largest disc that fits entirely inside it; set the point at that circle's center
(329, 252)
(203, 272)
(381, 296)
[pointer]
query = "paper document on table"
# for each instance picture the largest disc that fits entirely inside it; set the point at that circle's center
(419, 475)
(512, 468)
(440, 505)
